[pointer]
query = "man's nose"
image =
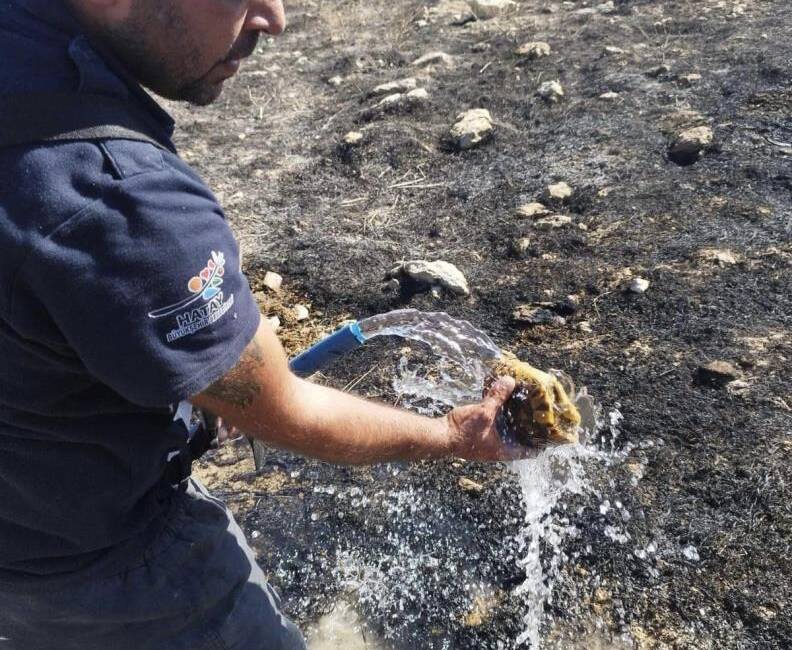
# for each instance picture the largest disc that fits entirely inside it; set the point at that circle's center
(266, 16)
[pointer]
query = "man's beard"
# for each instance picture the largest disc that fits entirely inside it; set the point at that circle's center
(167, 78)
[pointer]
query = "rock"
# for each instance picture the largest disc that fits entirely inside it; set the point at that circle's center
(584, 326)
(613, 50)
(689, 80)
(391, 286)
(274, 323)
(533, 315)
(439, 273)
(402, 100)
(335, 81)
(534, 50)
(659, 71)
(609, 96)
(353, 138)
(301, 312)
(552, 222)
(533, 209)
(434, 58)
(716, 374)
(273, 281)
(690, 145)
(470, 486)
(520, 246)
(638, 285)
(400, 86)
(559, 191)
(472, 128)
(551, 91)
(680, 120)
(486, 9)
(605, 8)
(721, 257)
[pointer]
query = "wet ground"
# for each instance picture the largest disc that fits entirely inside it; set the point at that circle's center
(702, 557)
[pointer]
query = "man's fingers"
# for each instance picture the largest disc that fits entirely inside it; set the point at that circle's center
(499, 392)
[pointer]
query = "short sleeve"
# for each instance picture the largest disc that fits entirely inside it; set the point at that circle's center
(145, 285)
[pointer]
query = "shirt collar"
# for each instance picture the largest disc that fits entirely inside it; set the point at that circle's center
(100, 70)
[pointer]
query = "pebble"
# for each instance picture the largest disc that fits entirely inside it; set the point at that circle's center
(716, 374)
(400, 86)
(584, 326)
(402, 100)
(553, 221)
(534, 209)
(551, 91)
(659, 71)
(486, 9)
(690, 145)
(273, 281)
(301, 312)
(434, 58)
(689, 80)
(721, 257)
(472, 128)
(470, 486)
(534, 50)
(335, 81)
(559, 191)
(613, 50)
(609, 96)
(533, 315)
(353, 137)
(440, 273)
(638, 285)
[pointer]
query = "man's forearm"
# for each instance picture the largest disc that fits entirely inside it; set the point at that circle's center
(340, 428)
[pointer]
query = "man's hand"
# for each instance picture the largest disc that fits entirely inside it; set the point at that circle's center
(473, 432)
(263, 398)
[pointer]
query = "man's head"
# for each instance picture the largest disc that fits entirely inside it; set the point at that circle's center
(181, 49)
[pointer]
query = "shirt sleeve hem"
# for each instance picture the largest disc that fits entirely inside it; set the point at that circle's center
(198, 383)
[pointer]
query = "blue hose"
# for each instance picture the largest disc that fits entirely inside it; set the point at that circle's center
(328, 350)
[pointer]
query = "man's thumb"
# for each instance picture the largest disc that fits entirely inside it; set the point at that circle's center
(499, 392)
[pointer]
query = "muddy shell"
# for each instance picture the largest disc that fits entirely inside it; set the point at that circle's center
(539, 412)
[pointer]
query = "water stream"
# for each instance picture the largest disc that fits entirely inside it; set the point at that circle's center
(456, 376)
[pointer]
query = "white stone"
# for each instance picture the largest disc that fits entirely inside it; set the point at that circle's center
(486, 9)
(399, 86)
(273, 280)
(609, 96)
(613, 50)
(401, 100)
(638, 285)
(439, 272)
(551, 91)
(434, 58)
(301, 312)
(553, 221)
(719, 256)
(335, 81)
(690, 145)
(533, 209)
(559, 191)
(690, 79)
(472, 128)
(534, 50)
(353, 137)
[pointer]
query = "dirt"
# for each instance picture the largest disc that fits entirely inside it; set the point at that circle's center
(709, 466)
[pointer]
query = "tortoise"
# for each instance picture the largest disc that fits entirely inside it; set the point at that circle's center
(539, 412)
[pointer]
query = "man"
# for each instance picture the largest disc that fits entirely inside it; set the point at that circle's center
(122, 304)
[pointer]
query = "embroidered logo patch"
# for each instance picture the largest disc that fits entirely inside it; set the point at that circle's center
(205, 305)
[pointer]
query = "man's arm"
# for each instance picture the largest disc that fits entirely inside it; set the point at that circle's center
(263, 398)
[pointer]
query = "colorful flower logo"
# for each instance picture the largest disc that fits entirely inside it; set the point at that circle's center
(206, 285)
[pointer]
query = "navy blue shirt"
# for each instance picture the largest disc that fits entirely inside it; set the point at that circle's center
(121, 295)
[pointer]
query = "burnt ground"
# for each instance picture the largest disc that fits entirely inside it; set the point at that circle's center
(714, 463)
